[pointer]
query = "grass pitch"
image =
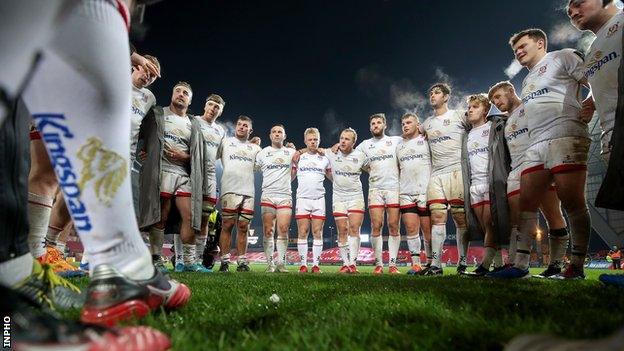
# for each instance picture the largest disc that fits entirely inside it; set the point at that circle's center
(357, 312)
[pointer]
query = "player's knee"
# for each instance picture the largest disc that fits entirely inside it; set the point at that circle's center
(411, 227)
(438, 213)
(393, 228)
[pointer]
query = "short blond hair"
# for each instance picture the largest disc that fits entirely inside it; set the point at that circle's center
(352, 131)
(408, 115)
(381, 116)
(500, 85)
(482, 99)
(312, 130)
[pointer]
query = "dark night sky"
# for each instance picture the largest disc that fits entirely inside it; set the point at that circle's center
(331, 64)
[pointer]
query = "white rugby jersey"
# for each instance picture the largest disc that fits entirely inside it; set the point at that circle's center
(478, 153)
(177, 136)
(381, 157)
(414, 165)
(275, 165)
(551, 97)
(142, 101)
(346, 171)
(213, 134)
(601, 70)
(310, 176)
(238, 159)
(517, 135)
(445, 134)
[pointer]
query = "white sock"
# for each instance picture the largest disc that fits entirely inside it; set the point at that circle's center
(156, 239)
(528, 223)
(377, 244)
(83, 140)
(53, 234)
(242, 259)
(200, 245)
(513, 244)
(84, 259)
(317, 248)
(39, 210)
(462, 245)
(302, 248)
(490, 252)
(188, 254)
(178, 247)
(354, 248)
(438, 236)
(427, 250)
(269, 248)
(281, 245)
(16, 269)
(344, 253)
(394, 241)
(413, 245)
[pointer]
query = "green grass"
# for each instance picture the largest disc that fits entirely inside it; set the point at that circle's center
(356, 312)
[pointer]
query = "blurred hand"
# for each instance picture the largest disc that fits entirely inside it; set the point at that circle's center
(587, 110)
(149, 66)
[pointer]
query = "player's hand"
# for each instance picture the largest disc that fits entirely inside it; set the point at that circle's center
(587, 110)
(142, 155)
(255, 140)
(334, 148)
(149, 66)
(321, 151)
(290, 145)
(176, 155)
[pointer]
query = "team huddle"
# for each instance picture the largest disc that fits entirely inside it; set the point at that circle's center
(455, 161)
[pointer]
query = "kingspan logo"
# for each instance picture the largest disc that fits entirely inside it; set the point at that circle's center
(380, 158)
(54, 131)
(594, 67)
(532, 95)
(440, 139)
(516, 133)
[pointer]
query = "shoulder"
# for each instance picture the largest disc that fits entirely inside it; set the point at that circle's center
(567, 54)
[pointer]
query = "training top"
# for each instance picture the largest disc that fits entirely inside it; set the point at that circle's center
(445, 134)
(414, 165)
(551, 97)
(213, 134)
(142, 101)
(177, 136)
(517, 135)
(275, 165)
(478, 153)
(310, 176)
(346, 171)
(601, 70)
(238, 159)
(382, 161)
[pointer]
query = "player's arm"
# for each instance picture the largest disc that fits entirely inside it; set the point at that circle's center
(328, 174)
(177, 156)
(294, 163)
(588, 108)
(139, 60)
